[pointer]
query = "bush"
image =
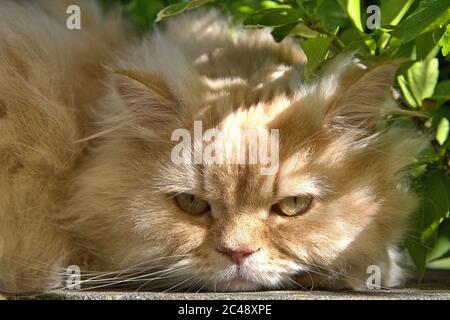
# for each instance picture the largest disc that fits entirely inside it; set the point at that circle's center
(416, 31)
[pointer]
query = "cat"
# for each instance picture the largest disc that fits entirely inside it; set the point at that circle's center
(86, 177)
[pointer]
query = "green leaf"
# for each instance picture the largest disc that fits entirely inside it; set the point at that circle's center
(422, 78)
(442, 90)
(171, 10)
(316, 51)
(440, 264)
(441, 112)
(272, 18)
(383, 40)
(442, 131)
(371, 45)
(303, 31)
(406, 91)
(440, 22)
(439, 193)
(444, 42)
(420, 19)
(402, 50)
(279, 33)
(353, 9)
(442, 247)
(435, 205)
(418, 254)
(426, 48)
(272, 4)
(392, 12)
(331, 15)
(177, 8)
(419, 81)
(355, 40)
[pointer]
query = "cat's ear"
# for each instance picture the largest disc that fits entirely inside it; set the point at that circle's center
(140, 90)
(361, 101)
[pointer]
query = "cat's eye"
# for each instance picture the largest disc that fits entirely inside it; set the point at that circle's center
(191, 204)
(293, 206)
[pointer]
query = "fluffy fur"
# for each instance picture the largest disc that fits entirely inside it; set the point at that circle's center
(86, 178)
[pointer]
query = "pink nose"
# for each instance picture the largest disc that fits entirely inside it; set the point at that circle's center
(237, 256)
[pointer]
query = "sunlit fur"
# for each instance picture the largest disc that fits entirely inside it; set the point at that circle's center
(86, 177)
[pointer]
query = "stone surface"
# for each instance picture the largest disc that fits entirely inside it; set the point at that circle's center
(436, 286)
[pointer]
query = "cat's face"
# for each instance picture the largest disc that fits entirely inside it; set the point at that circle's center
(328, 205)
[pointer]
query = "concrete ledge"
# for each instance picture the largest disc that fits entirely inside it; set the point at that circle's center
(407, 294)
(436, 286)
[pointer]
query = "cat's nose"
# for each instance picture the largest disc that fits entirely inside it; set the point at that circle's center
(237, 256)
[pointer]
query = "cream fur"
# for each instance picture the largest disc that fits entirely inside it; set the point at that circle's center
(86, 177)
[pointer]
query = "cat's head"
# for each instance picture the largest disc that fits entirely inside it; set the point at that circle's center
(332, 203)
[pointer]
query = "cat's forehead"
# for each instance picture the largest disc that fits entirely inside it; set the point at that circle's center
(254, 169)
(238, 185)
(236, 111)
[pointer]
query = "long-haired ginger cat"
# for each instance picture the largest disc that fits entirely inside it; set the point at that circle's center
(87, 177)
